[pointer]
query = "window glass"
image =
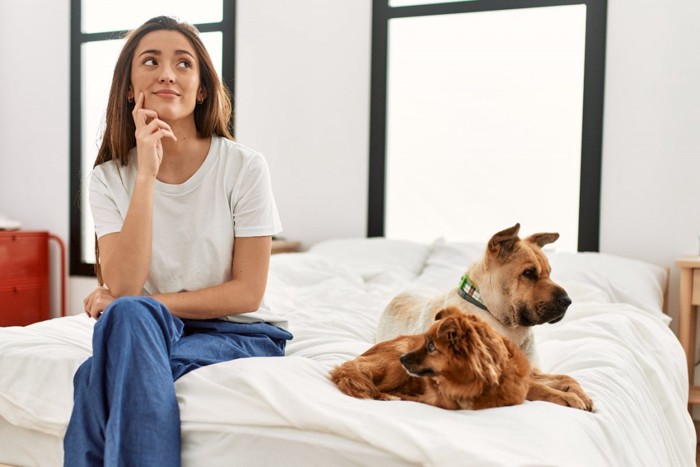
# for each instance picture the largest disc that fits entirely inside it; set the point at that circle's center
(121, 15)
(484, 121)
(98, 60)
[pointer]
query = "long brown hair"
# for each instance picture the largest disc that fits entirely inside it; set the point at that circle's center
(211, 117)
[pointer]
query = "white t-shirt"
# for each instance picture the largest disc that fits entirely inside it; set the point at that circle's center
(194, 223)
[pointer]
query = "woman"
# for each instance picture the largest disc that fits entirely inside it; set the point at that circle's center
(169, 194)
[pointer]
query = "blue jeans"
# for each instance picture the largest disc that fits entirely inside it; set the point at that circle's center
(125, 411)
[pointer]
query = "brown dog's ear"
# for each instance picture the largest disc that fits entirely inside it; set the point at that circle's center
(473, 340)
(542, 239)
(448, 330)
(491, 353)
(447, 312)
(504, 241)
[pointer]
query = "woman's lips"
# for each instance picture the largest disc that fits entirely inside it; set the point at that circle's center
(166, 93)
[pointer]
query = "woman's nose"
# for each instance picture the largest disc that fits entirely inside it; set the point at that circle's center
(167, 75)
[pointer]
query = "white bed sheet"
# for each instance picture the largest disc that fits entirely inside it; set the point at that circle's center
(259, 411)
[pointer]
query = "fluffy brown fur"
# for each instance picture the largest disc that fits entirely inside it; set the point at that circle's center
(459, 363)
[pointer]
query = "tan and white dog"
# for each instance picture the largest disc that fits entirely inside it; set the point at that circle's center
(511, 289)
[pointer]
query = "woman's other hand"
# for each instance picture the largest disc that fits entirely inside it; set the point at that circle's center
(98, 300)
(149, 132)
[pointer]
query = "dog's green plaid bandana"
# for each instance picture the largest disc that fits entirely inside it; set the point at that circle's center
(470, 292)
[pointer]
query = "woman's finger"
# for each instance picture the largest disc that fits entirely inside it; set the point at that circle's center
(140, 114)
(86, 301)
(142, 117)
(89, 301)
(138, 105)
(159, 129)
(165, 133)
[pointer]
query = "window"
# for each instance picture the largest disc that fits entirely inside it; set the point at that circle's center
(97, 29)
(484, 114)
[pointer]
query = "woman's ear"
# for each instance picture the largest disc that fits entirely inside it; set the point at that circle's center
(130, 94)
(202, 94)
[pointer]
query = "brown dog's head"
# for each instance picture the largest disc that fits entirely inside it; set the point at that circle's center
(459, 348)
(514, 280)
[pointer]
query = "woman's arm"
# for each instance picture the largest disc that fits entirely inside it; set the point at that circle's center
(242, 294)
(125, 257)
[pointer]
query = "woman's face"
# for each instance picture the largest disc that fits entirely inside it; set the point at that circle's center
(166, 69)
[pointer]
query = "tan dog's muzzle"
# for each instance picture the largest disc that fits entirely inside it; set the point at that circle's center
(551, 311)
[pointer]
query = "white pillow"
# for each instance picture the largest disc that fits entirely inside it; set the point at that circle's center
(447, 262)
(304, 270)
(625, 280)
(590, 276)
(374, 256)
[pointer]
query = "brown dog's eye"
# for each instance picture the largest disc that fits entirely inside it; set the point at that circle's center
(430, 347)
(530, 273)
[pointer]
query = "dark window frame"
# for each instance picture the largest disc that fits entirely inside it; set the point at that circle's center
(77, 267)
(593, 96)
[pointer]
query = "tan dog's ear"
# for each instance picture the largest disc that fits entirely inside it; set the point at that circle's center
(542, 239)
(503, 242)
(447, 312)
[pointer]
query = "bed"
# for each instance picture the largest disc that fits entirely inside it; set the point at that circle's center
(614, 339)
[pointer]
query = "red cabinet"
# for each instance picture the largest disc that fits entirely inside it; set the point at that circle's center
(24, 277)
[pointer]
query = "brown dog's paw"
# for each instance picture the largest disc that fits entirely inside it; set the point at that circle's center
(577, 402)
(383, 396)
(559, 389)
(566, 399)
(583, 402)
(572, 387)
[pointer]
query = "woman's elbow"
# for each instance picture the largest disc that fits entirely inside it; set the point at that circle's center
(252, 304)
(119, 288)
(252, 300)
(118, 291)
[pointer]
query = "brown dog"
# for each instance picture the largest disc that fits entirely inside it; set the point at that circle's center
(460, 363)
(510, 288)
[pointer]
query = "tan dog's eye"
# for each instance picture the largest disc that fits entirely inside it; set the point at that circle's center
(530, 273)
(430, 347)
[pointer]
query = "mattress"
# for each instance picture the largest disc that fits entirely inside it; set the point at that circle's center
(614, 340)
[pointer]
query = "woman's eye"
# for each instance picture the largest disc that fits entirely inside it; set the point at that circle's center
(184, 64)
(149, 62)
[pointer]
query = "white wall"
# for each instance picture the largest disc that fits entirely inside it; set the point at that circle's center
(651, 142)
(34, 87)
(303, 100)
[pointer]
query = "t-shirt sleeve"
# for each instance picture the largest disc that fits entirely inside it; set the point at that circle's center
(105, 212)
(254, 209)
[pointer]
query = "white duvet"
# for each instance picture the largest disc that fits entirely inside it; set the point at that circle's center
(265, 411)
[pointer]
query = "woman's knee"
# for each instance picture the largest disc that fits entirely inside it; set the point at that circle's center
(138, 313)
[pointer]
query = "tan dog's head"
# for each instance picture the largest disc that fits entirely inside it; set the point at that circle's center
(459, 348)
(514, 280)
